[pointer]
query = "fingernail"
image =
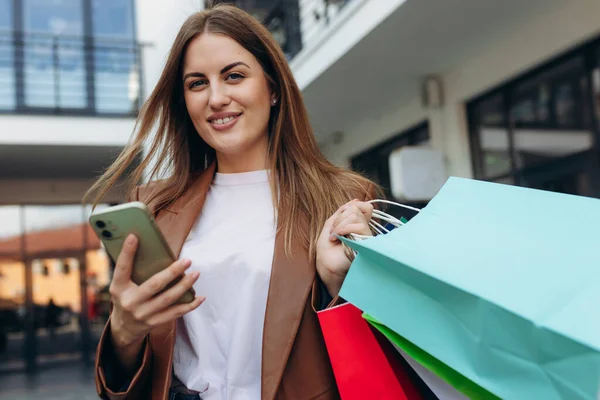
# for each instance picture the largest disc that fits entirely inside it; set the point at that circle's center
(195, 274)
(186, 263)
(333, 237)
(202, 298)
(131, 239)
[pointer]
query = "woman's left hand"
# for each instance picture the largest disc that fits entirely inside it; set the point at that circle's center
(332, 261)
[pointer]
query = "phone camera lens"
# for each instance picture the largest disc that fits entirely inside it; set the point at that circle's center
(106, 234)
(100, 224)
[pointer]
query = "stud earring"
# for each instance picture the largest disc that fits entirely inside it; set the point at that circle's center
(274, 101)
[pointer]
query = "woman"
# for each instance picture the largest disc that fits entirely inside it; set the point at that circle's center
(252, 205)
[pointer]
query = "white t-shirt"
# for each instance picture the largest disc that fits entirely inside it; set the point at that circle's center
(218, 348)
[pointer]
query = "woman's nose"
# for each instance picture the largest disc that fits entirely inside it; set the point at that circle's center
(218, 97)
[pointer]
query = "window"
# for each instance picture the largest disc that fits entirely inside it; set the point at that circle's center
(54, 70)
(115, 56)
(11, 229)
(112, 19)
(69, 57)
(540, 130)
(5, 14)
(493, 137)
(7, 71)
(596, 88)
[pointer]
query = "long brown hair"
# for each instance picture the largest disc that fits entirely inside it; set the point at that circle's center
(310, 188)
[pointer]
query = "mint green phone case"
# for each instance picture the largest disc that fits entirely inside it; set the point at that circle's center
(113, 224)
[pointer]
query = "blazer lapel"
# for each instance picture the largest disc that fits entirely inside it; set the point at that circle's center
(291, 283)
(176, 221)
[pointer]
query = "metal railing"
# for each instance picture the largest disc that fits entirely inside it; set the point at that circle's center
(72, 75)
(317, 15)
(291, 22)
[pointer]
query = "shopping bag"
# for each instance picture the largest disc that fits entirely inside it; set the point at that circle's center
(442, 380)
(363, 368)
(499, 283)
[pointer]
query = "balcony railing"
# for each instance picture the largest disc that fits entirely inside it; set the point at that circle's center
(317, 15)
(68, 75)
(292, 22)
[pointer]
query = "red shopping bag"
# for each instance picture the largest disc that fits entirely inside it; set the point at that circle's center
(365, 365)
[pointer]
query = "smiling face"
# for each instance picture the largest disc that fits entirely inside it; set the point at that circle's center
(229, 101)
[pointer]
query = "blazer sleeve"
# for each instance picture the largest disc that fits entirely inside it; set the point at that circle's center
(320, 297)
(111, 381)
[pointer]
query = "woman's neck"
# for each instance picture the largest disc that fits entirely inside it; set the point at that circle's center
(251, 158)
(231, 164)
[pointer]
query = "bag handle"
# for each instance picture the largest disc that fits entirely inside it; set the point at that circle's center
(376, 227)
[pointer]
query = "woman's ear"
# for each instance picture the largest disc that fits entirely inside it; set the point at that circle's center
(274, 94)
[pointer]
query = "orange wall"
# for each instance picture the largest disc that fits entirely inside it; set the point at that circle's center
(64, 289)
(12, 281)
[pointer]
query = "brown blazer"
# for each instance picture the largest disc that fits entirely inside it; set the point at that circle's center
(295, 364)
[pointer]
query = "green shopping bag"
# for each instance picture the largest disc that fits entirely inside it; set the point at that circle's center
(490, 280)
(456, 380)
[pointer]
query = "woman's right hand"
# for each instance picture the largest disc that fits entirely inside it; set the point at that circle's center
(137, 309)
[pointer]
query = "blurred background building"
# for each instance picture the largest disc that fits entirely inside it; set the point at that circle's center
(70, 86)
(506, 91)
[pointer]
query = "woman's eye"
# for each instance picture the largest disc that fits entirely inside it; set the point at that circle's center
(197, 84)
(234, 76)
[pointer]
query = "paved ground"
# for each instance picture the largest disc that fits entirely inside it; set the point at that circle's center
(67, 382)
(67, 340)
(61, 374)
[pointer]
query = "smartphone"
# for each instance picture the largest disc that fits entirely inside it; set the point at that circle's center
(113, 224)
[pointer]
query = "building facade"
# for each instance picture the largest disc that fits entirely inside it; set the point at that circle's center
(73, 75)
(506, 91)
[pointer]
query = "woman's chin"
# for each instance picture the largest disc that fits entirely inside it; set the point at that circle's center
(231, 148)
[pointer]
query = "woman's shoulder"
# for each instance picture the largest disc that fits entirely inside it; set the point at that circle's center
(160, 193)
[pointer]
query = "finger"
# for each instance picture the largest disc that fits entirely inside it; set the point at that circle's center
(329, 224)
(168, 298)
(365, 208)
(122, 274)
(351, 224)
(175, 312)
(358, 228)
(350, 211)
(160, 280)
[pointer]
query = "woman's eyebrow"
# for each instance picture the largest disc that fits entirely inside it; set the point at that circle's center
(233, 65)
(225, 69)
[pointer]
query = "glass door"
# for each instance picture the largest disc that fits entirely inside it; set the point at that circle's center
(54, 278)
(12, 290)
(12, 309)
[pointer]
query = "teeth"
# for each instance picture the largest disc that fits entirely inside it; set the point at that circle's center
(222, 121)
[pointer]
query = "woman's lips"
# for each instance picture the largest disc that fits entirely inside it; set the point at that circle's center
(222, 124)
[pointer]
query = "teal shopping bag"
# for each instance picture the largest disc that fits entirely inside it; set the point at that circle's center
(500, 283)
